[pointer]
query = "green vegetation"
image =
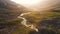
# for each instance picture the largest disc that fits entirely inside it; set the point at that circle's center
(48, 22)
(43, 20)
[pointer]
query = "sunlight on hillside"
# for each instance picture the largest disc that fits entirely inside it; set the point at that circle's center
(16, 18)
(27, 2)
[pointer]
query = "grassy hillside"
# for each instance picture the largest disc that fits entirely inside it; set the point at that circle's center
(48, 22)
(9, 23)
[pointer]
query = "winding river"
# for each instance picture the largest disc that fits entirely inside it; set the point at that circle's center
(24, 22)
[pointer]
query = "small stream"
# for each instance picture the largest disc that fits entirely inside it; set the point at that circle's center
(24, 22)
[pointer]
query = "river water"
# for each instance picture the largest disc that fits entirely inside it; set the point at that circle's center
(24, 22)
